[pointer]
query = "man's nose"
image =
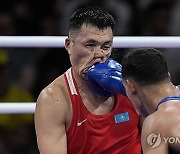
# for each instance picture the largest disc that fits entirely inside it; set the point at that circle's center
(100, 52)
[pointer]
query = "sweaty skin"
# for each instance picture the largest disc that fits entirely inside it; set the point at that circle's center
(164, 121)
(53, 114)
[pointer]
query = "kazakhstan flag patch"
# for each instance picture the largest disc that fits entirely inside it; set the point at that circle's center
(122, 117)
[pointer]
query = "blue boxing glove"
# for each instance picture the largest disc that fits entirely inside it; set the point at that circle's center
(106, 78)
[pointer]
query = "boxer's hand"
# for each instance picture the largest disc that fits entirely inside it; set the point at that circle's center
(106, 76)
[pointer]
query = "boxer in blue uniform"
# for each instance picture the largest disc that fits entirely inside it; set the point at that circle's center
(148, 85)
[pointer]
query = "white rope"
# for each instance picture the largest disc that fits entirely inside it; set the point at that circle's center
(119, 41)
(17, 108)
(32, 41)
(58, 41)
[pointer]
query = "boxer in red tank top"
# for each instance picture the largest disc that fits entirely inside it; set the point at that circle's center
(70, 117)
(90, 133)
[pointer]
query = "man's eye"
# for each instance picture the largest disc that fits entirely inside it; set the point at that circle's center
(107, 47)
(90, 45)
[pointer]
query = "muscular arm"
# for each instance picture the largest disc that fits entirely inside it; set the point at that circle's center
(152, 138)
(50, 123)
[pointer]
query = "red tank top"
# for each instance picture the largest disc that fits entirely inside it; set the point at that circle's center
(113, 133)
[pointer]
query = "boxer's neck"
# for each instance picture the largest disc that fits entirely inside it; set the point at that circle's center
(152, 95)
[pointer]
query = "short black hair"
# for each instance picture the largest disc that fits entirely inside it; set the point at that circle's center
(145, 65)
(92, 15)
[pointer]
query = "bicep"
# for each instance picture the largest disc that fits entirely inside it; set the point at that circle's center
(50, 127)
(152, 141)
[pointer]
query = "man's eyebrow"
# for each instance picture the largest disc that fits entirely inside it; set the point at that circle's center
(93, 41)
(107, 42)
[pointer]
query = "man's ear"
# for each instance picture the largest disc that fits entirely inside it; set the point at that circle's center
(169, 76)
(131, 86)
(67, 45)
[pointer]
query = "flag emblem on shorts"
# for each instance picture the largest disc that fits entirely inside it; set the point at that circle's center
(122, 117)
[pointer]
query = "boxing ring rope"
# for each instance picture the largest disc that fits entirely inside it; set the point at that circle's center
(119, 41)
(58, 41)
(17, 108)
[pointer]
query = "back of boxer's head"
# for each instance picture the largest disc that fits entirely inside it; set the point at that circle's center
(92, 15)
(146, 66)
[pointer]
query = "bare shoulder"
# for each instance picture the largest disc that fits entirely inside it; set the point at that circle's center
(54, 99)
(151, 135)
(54, 92)
(162, 124)
(165, 118)
(171, 127)
(149, 124)
(52, 117)
(169, 115)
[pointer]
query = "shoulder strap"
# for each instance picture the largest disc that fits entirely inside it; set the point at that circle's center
(70, 82)
(168, 99)
(178, 86)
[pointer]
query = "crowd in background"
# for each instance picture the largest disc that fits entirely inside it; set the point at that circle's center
(24, 72)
